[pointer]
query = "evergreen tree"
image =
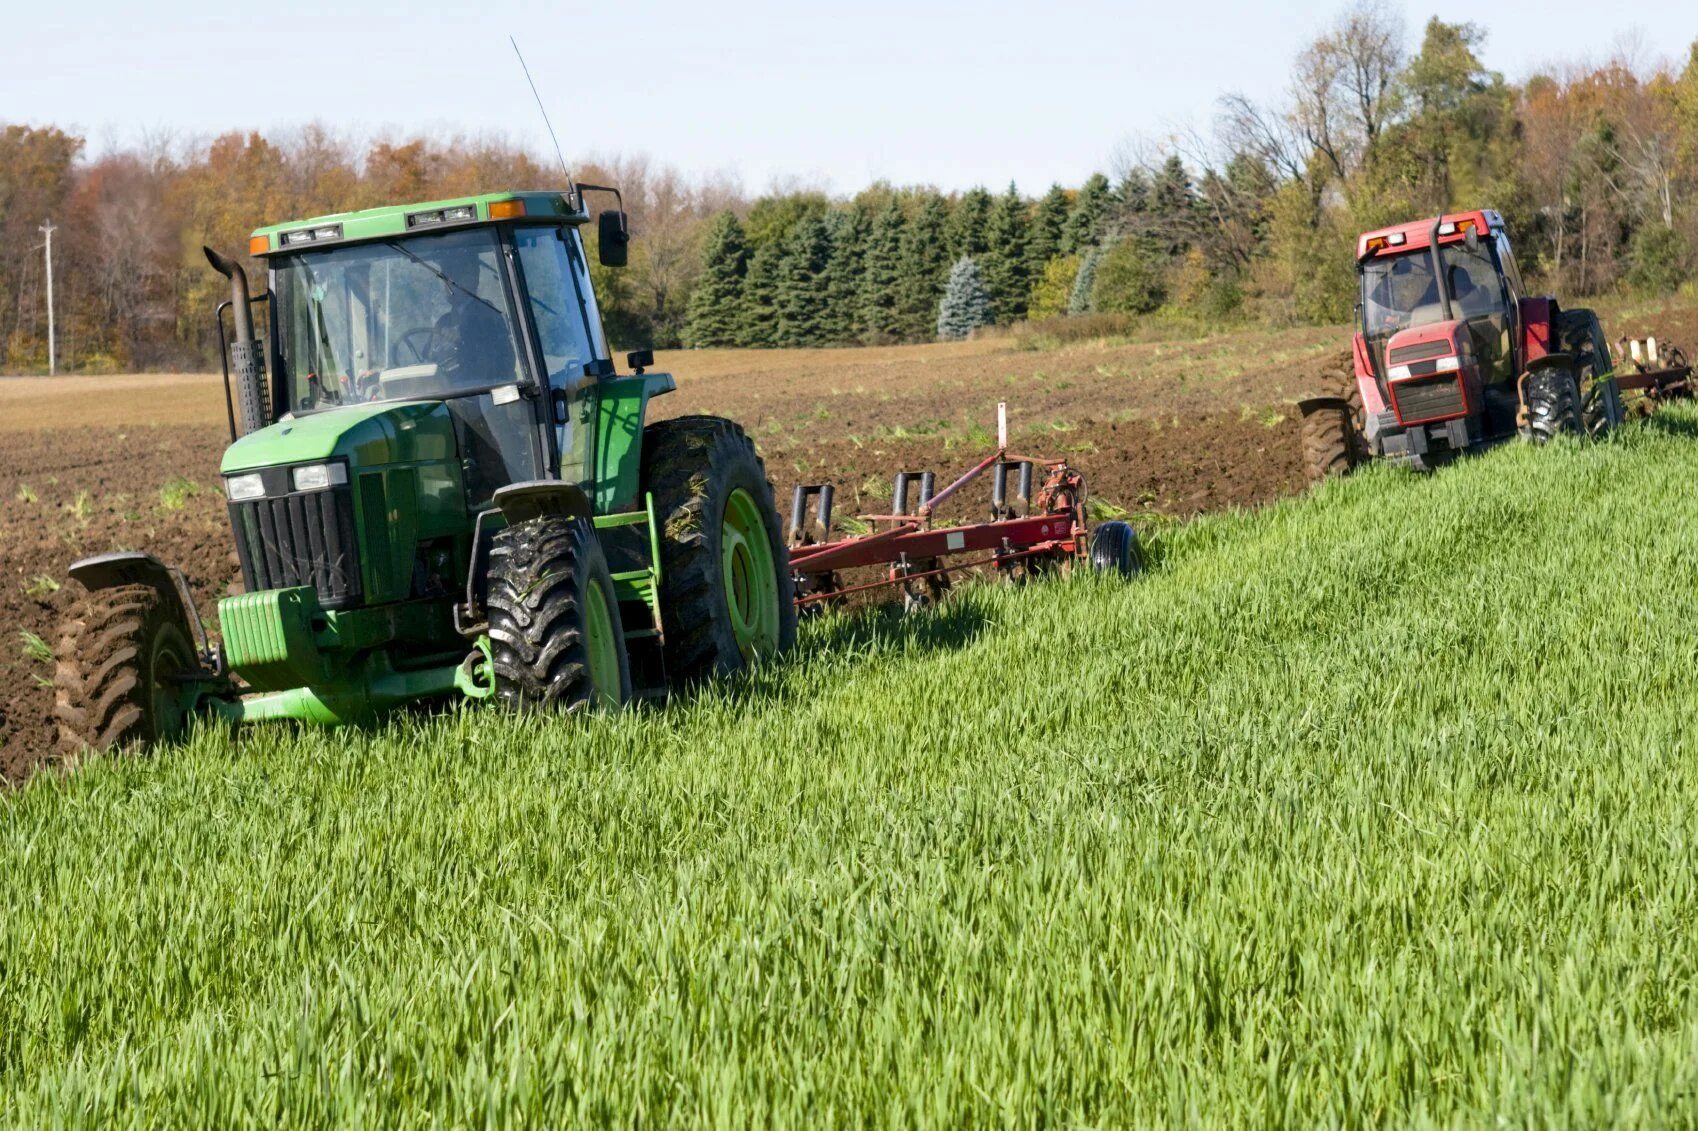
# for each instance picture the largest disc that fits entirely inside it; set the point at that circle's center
(1049, 224)
(841, 283)
(1129, 212)
(1079, 300)
(799, 297)
(715, 312)
(967, 223)
(759, 326)
(1004, 260)
(925, 268)
(881, 273)
(1086, 223)
(1132, 195)
(966, 303)
(1173, 205)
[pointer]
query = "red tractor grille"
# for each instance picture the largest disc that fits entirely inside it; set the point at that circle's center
(1420, 351)
(1422, 399)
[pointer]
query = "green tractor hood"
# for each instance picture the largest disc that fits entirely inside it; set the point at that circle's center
(367, 436)
(404, 490)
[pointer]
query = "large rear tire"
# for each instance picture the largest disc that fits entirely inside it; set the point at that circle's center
(726, 594)
(556, 640)
(123, 665)
(1333, 439)
(1328, 447)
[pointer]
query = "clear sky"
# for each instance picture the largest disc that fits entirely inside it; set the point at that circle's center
(953, 94)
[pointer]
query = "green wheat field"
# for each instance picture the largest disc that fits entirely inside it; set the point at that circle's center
(1377, 806)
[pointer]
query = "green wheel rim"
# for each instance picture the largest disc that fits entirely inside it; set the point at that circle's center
(601, 648)
(751, 581)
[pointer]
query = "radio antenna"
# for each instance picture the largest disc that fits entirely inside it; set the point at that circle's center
(570, 184)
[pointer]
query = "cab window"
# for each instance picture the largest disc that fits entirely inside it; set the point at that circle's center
(1511, 272)
(556, 308)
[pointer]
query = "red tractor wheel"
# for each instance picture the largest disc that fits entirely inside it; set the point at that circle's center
(1333, 441)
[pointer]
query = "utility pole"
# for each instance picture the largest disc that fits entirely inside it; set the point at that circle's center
(47, 230)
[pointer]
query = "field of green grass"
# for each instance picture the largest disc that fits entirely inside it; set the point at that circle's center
(1375, 806)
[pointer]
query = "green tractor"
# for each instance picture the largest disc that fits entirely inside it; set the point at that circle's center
(443, 488)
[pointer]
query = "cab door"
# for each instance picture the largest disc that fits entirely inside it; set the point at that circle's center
(569, 338)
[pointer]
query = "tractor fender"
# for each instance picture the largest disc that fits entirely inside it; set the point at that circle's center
(1548, 361)
(1310, 405)
(521, 502)
(132, 567)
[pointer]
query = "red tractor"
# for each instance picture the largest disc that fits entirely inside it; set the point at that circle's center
(1453, 353)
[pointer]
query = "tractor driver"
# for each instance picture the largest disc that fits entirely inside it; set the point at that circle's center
(472, 344)
(1471, 296)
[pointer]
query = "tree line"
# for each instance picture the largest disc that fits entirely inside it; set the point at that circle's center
(1594, 165)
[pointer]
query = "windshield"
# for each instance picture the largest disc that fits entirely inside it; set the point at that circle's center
(1398, 293)
(414, 317)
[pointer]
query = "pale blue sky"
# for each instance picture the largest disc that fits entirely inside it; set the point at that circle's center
(952, 94)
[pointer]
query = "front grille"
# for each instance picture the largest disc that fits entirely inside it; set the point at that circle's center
(1428, 398)
(305, 538)
(1421, 351)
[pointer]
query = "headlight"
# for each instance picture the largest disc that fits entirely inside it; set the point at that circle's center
(240, 487)
(318, 476)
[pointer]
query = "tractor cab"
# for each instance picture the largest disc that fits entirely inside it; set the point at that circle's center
(483, 305)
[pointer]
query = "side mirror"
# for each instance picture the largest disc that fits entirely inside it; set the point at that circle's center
(640, 360)
(613, 238)
(1472, 240)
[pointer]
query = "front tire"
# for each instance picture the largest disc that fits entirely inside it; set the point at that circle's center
(1553, 405)
(556, 640)
(727, 597)
(124, 662)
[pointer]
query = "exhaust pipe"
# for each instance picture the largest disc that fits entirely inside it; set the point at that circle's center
(1439, 279)
(246, 357)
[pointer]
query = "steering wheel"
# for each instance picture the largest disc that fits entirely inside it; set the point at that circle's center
(422, 349)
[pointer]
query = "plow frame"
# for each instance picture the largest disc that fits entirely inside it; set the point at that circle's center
(1659, 371)
(1047, 528)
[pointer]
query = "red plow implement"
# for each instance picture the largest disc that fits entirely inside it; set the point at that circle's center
(1042, 528)
(1658, 370)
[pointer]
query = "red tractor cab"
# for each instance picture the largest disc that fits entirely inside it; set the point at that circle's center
(1452, 353)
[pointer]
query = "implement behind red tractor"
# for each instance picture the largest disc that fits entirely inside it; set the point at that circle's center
(1452, 353)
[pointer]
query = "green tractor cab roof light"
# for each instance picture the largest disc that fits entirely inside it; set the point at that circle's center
(324, 234)
(458, 214)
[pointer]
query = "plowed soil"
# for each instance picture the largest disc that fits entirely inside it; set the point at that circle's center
(1170, 428)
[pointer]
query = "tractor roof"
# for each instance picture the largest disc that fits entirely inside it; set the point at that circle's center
(1416, 234)
(402, 219)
